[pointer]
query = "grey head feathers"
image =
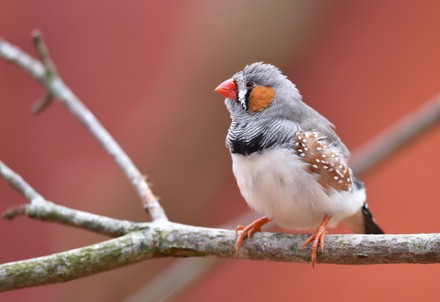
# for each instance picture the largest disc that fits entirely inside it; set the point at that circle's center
(260, 73)
(277, 123)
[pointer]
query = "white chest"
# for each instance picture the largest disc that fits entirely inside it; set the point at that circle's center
(276, 184)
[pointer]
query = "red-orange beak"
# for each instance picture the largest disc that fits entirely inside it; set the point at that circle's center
(227, 89)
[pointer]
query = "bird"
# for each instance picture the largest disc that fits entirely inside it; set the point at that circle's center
(289, 164)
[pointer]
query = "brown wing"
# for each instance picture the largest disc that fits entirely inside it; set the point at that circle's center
(324, 160)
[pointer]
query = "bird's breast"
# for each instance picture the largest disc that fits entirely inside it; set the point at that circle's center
(276, 183)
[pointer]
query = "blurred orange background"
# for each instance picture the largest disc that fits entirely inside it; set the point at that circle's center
(148, 69)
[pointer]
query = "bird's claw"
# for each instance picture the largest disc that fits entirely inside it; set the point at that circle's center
(247, 231)
(318, 239)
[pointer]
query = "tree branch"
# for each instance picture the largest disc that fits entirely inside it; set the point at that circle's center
(19, 184)
(51, 212)
(166, 239)
(55, 87)
(51, 71)
(40, 208)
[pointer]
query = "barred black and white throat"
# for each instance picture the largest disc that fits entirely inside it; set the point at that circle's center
(289, 163)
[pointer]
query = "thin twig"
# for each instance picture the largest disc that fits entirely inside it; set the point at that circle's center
(16, 56)
(19, 184)
(42, 104)
(50, 70)
(42, 209)
(51, 212)
(43, 53)
(14, 212)
(56, 88)
(176, 240)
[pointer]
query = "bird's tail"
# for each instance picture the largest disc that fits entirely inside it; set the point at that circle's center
(370, 226)
(363, 222)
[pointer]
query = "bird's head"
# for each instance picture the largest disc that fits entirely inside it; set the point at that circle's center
(260, 90)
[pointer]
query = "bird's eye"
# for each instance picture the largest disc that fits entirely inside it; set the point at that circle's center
(250, 84)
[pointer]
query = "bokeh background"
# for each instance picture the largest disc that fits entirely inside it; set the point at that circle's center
(147, 69)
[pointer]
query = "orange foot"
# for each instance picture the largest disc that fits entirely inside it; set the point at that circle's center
(248, 230)
(317, 238)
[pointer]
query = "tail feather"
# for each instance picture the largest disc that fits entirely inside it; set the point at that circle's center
(363, 222)
(370, 226)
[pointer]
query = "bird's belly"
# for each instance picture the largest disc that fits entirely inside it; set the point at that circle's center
(276, 184)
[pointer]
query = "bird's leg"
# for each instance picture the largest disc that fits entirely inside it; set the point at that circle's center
(248, 230)
(317, 238)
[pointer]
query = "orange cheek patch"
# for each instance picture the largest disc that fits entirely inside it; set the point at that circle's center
(260, 97)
